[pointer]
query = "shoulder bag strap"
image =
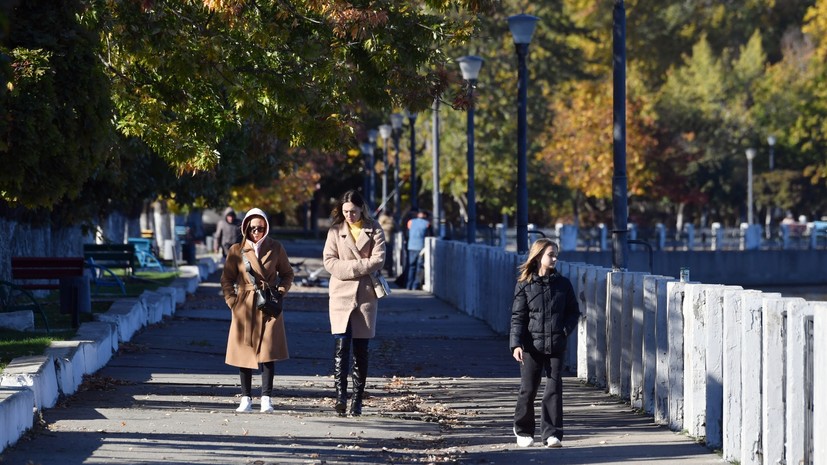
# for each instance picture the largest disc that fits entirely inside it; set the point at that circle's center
(249, 269)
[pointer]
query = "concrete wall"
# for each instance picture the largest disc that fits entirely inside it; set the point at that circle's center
(741, 268)
(741, 370)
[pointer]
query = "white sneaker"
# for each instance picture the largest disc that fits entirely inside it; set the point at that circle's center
(523, 440)
(552, 442)
(266, 405)
(246, 405)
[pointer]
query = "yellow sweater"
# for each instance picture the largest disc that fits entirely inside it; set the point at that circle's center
(355, 229)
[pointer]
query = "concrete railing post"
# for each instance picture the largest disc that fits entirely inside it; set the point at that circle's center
(733, 317)
(772, 379)
(674, 357)
(636, 342)
(751, 451)
(820, 385)
(799, 318)
(694, 359)
(614, 317)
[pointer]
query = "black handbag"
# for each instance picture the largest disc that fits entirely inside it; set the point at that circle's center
(269, 302)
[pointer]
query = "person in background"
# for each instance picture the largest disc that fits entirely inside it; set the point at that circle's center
(389, 227)
(255, 339)
(418, 229)
(543, 314)
(354, 248)
(227, 232)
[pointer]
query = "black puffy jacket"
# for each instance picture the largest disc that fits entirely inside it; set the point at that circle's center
(543, 314)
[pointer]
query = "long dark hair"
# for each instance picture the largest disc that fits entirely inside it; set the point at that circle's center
(353, 196)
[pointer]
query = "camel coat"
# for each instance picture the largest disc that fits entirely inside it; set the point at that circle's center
(254, 337)
(349, 262)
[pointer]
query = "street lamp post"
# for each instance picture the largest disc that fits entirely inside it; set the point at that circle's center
(385, 132)
(470, 66)
(372, 170)
(435, 170)
(367, 150)
(522, 28)
(771, 142)
(412, 120)
(770, 208)
(751, 152)
(396, 125)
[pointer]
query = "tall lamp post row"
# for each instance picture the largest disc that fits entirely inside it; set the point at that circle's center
(522, 29)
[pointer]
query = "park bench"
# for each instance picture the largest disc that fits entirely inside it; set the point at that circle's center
(111, 256)
(43, 273)
(143, 252)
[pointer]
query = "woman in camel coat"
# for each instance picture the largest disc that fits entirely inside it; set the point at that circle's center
(255, 340)
(355, 248)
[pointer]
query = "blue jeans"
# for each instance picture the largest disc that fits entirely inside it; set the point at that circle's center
(416, 263)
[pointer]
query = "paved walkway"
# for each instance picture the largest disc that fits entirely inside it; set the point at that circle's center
(442, 388)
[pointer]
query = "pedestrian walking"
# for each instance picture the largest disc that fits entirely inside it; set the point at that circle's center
(543, 314)
(418, 229)
(227, 232)
(354, 248)
(256, 340)
(389, 227)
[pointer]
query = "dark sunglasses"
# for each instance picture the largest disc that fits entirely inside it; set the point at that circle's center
(257, 229)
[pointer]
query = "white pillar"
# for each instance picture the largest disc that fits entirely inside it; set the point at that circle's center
(772, 379)
(751, 450)
(601, 301)
(820, 386)
(614, 316)
(715, 355)
(799, 318)
(654, 304)
(694, 360)
(674, 358)
(635, 345)
(733, 316)
(585, 295)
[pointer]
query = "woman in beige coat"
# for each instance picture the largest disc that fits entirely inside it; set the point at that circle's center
(256, 340)
(355, 248)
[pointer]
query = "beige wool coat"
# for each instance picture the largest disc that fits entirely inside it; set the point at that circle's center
(254, 337)
(349, 262)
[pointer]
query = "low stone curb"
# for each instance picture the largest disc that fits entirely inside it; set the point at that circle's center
(30, 384)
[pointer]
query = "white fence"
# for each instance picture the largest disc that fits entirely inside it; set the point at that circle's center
(741, 370)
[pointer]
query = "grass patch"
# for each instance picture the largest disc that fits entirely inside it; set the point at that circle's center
(20, 344)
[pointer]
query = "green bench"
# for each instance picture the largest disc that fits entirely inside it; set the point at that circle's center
(111, 256)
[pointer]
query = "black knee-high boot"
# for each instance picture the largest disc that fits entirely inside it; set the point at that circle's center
(360, 374)
(341, 362)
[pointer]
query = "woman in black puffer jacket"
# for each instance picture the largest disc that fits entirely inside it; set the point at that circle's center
(543, 314)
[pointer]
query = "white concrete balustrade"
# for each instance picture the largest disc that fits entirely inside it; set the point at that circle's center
(742, 370)
(29, 384)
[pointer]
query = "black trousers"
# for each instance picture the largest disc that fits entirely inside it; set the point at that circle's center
(268, 370)
(551, 406)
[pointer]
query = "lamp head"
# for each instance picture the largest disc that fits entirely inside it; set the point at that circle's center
(396, 121)
(522, 27)
(410, 114)
(751, 152)
(385, 130)
(771, 140)
(470, 66)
